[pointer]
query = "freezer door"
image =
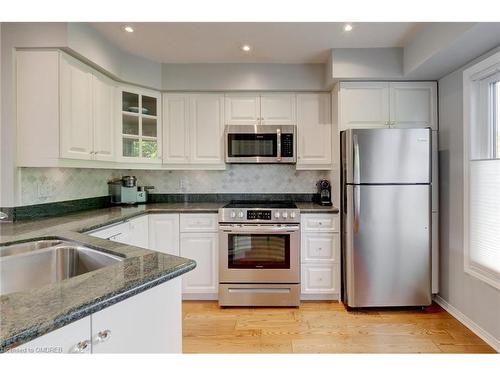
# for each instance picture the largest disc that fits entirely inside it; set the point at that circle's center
(387, 156)
(387, 245)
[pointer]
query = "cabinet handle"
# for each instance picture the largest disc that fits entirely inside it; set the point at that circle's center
(103, 335)
(82, 346)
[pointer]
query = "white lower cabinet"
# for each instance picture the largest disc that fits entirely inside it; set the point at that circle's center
(202, 282)
(149, 322)
(320, 257)
(164, 233)
(320, 279)
(200, 242)
(73, 338)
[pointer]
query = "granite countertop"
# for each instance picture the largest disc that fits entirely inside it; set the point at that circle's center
(29, 314)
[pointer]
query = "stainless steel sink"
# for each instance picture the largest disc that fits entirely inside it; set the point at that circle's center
(33, 264)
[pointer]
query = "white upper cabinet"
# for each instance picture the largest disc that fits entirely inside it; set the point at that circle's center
(176, 128)
(103, 90)
(363, 105)
(277, 109)
(139, 126)
(207, 128)
(413, 104)
(76, 109)
(242, 109)
(314, 130)
(193, 130)
(387, 104)
(260, 109)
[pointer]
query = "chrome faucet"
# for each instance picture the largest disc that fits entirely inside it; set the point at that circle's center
(3, 215)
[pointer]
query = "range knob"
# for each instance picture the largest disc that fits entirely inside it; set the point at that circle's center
(233, 214)
(240, 215)
(284, 215)
(277, 215)
(292, 214)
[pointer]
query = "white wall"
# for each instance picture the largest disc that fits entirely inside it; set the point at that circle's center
(475, 299)
(250, 77)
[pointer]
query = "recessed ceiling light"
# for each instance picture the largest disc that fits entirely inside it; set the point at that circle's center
(246, 48)
(347, 27)
(128, 29)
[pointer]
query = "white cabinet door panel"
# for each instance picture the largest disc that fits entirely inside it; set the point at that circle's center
(320, 222)
(203, 248)
(76, 119)
(149, 322)
(413, 104)
(199, 223)
(72, 338)
(320, 247)
(103, 107)
(277, 109)
(164, 233)
(314, 129)
(320, 278)
(242, 109)
(138, 228)
(207, 128)
(176, 128)
(363, 105)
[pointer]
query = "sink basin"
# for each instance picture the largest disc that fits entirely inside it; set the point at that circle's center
(34, 264)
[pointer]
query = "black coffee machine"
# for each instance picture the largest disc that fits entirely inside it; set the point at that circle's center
(324, 193)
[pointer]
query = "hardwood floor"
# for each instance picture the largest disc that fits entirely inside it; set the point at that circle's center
(324, 327)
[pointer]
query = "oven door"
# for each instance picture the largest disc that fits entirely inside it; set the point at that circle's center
(253, 253)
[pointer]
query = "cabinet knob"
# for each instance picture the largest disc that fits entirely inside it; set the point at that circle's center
(82, 346)
(103, 335)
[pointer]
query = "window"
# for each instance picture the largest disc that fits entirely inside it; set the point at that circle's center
(482, 170)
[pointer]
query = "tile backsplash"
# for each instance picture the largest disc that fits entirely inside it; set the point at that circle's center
(43, 185)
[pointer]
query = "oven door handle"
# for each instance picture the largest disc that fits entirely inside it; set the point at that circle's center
(259, 230)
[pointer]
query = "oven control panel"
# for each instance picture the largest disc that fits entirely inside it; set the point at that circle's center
(241, 215)
(259, 215)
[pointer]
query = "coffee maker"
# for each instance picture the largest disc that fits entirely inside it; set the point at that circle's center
(324, 193)
(124, 190)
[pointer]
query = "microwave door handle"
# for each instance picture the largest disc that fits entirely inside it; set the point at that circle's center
(278, 144)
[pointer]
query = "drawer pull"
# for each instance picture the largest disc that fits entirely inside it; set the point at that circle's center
(103, 335)
(82, 346)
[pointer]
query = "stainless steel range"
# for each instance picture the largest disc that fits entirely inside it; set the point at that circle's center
(259, 254)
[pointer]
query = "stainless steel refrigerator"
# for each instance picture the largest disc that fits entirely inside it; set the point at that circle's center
(386, 217)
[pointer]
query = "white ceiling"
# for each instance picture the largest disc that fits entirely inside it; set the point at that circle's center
(271, 42)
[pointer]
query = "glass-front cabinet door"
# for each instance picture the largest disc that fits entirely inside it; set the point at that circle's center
(140, 126)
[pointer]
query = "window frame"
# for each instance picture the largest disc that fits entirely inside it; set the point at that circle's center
(475, 78)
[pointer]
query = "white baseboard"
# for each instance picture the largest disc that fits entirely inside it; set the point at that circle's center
(320, 297)
(465, 320)
(200, 296)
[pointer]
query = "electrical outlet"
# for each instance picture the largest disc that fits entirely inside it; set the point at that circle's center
(183, 184)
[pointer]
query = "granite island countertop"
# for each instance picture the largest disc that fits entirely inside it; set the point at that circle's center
(29, 314)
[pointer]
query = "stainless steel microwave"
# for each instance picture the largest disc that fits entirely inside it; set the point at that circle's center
(260, 144)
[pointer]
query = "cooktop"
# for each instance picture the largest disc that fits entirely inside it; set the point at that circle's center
(260, 204)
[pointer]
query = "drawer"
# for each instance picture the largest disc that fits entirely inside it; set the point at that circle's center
(199, 223)
(320, 246)
(319, 278)
(111, 231)
(320, 222)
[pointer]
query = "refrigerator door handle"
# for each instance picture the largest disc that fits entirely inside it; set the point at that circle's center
(357, 206)
(355, 177)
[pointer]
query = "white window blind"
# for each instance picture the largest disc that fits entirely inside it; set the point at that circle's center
(482, 170)
(484, 215)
